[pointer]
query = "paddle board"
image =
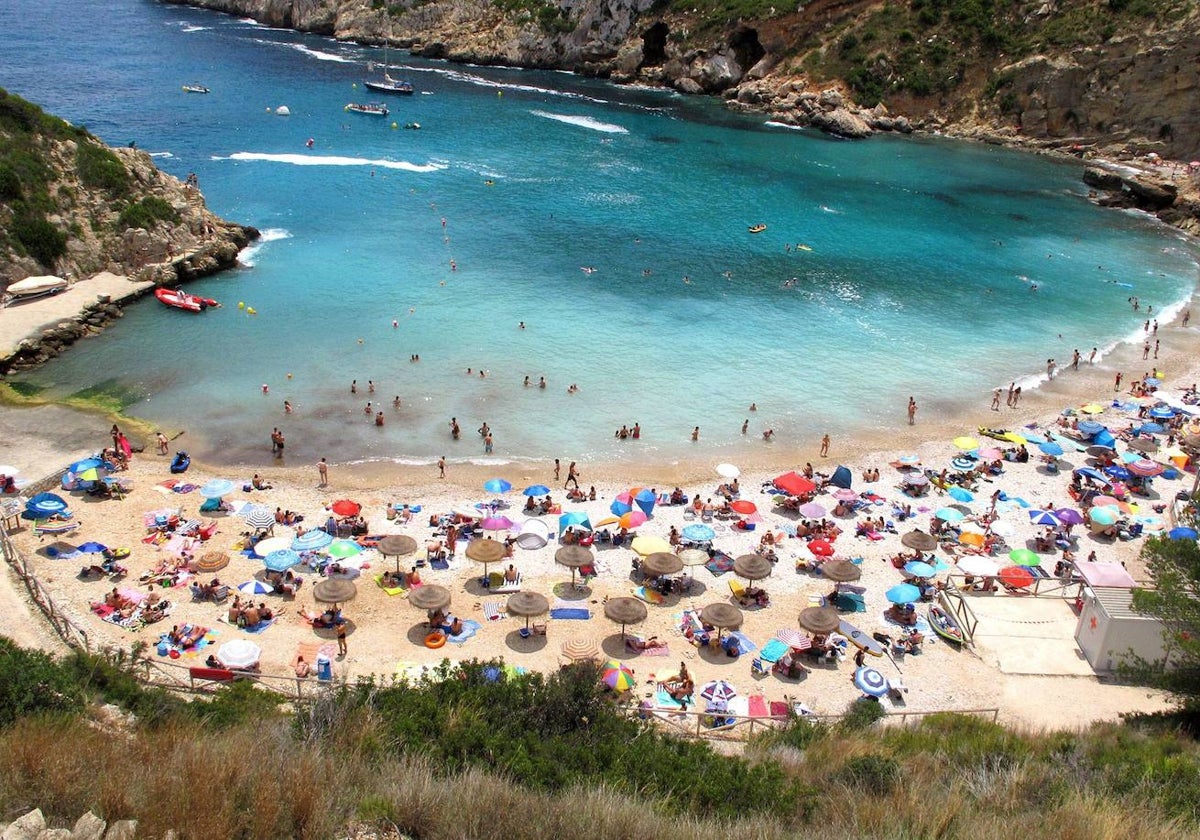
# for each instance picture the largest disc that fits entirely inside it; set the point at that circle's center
(860, 639)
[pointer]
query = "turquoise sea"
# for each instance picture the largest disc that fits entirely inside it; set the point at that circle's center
(918, 281)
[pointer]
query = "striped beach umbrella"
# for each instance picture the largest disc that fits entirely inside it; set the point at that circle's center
(259, 517)
(617, 676)
(869, 681)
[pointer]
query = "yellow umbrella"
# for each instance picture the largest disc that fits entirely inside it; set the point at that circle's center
(1092, 408)
(650, 545)
(966, 443)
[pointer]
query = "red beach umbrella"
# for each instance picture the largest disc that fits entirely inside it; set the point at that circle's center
(744, 507)
(821, 548)
(1015, 576)
(794, 484)
(345, 507)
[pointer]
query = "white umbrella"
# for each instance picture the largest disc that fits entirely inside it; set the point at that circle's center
(728, 471)
(264, 547)
(239, 654)
(977, 565)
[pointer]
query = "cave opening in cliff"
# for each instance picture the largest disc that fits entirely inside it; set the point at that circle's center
(654, 45)
(746, 48)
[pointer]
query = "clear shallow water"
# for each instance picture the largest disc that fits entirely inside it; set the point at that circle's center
(913, 284)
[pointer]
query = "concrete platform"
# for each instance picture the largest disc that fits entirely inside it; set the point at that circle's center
(1029, 636)
(27, 320)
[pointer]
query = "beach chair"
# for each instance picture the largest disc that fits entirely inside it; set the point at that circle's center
(48, 527)
(497, 585)
(896, 690)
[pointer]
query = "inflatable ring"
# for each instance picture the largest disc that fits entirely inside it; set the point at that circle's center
(435, 640)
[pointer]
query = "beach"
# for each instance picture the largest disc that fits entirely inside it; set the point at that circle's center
(387, 634)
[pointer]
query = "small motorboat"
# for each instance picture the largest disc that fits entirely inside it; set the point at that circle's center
(759, 228)
(371, 109)
(195, 89)
(35, 287)
(179, 299)
(945, 625)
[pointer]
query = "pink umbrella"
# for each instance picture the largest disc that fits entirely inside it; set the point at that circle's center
(812, 510)
(794, 638)
(990, 453)
(845, 494)
(633, 519)
(1145, 468)
(497, 523)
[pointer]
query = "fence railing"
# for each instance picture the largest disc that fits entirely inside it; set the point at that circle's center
(195, 680)
(64, 625)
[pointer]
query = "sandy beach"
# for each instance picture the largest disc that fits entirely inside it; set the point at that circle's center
(1046, 685)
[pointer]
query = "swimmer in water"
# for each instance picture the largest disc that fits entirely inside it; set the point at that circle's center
(728, 275)
(687, 280)
(587, 269)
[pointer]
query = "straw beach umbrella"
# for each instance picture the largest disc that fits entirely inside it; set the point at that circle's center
(819, 619)
(397, 545)
(625, 610)
(841, 571)
(485, 552)
(918, 540)
(722, 616)
(661, 563)
(430, 596)
(527, 605)
(574, 557)
(334, 591)
(752, 566)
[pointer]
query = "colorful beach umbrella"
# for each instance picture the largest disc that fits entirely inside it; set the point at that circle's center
(718, 691)
(845, 494)
(574, 519)
(821, 548)
(239, 654)
(1088, 428)
(621, 504)
(1049, 518)
(1069, 516)
(264, 547)
(1106, 515)
(1182, 533)
(92, 547)
(1051, 448)
(698, 533)
(966, 443)
(497, 485)
(960, 494)
(47, 504)
(312, 540)
(1015, 576)
(496, 523)
(972, 538)
(1145, 468)
(341, 549)
(536, 490)
(281, 560)
(812, 510)
(919, 568)
(346, 507)
(645, 500)
(903, 593)
(793, 484)
(645, 546)
(870, 682)
(255, 587)
(259, 516)
(633, 519)
(744, 507)
(1024, 557)
(617, 676)
(216, 488)
(949, 514)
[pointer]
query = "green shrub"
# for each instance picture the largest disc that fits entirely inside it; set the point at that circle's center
(146, 213)
(871, 774)
(33, 683)
(100, 169)
(40, 239)
(10, 183)
(861, 714)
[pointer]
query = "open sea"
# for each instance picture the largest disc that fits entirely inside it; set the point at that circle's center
(915, 278)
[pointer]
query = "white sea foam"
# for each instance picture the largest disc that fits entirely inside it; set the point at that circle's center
(480, 81)
(333, 160)
(161, 154)
(775, 124)
(582, 122)
(321, 55)
(192, 28)
(248, 254)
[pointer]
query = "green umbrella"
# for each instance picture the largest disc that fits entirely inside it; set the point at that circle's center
(1024, 557)
(343, 548)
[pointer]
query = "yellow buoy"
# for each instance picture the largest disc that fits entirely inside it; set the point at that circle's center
(241, 305)
(360, 341)
(395, 125)
(250, 310)
(289, 376)
(354, 85)
(499, 93)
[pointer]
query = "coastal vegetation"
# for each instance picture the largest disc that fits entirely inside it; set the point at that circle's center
(1174, 566)
(479, 751)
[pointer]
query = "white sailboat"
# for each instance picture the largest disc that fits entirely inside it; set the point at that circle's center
(387, 84)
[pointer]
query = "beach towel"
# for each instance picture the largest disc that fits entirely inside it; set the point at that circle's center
(661, 649)
(773, 651)
(310, 650)
(185, 488)
(469, 628)
(719, 564)
(132, 595)
(779, 710)
(650, 596)
(260, 627)
(440, 565)
(390, 590)
(663, 700)
(571, 613)
(493, 610)
(744, 645)
(757, 706)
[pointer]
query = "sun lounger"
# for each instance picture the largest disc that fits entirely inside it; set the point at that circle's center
(497, 585)
(53, 527)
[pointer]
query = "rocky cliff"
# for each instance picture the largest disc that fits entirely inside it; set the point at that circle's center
(71, 206)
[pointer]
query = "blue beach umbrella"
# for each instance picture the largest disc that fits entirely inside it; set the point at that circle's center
(1152, 380)
(919, 568)
(574, 519)
(1106, 515)
(962, 464)
(536, 490)
(92, 547)
(85, 464)
(1044, 517)
(870, 682)
(255, 587)
(281, 560)
(1118, 472)
(645, 501)
(621, 505)
(961, 495)
(698, 533)
(1162, 412)
(497, 485)
(312, 540)
(949, 514)
(1090, 427)
(1094, 474)
(903, 593)
(1182, 533)
(1151, 428)
(1051, 448)
(44, 505)
(216, 488)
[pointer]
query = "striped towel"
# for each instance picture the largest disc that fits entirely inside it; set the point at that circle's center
(493, 610)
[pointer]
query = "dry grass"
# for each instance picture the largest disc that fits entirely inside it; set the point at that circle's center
(260, 781)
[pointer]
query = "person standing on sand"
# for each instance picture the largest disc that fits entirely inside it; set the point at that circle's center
(1117, 382)
(996, 399)
(1156, 348)
(442, 467)
(1187, 316)
(1016, 396)
(825, 446)
(1146, 350)
(912, 411)
(341, 639)
(572, 476)
(323, 472)
(557, 470)
(163, 443)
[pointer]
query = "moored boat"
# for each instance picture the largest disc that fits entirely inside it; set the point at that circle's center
(179, 299)
(195, 89)
(945, 625)
(35, 287)
(371, 109)
(759, 228)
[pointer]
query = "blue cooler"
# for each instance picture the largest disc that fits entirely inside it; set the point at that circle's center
(163, 648)
(324, 667)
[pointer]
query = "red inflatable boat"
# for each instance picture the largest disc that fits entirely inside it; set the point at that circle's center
(180, 299)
